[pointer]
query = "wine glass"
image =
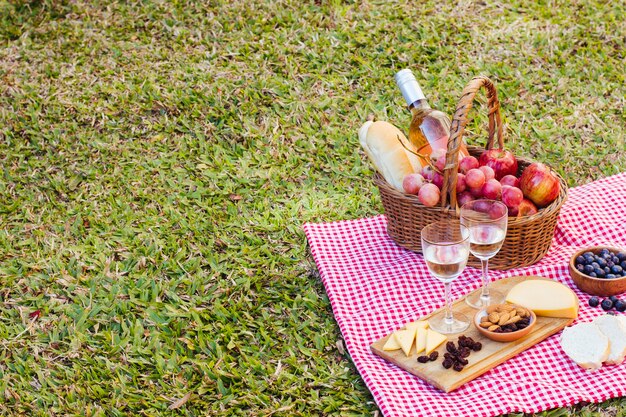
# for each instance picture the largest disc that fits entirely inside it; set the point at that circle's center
(487, 222)
(445, 245)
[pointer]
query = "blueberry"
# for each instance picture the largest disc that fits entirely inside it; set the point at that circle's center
(599, 272)
(594, 301)
(616, 269)
(610, 276)
(580, 259)
(608, 258)
(623, 264)
(620, 305)
(610, 264)
(592, 275)
(588, 259)
(595, 265)
(588, 269)
(580, 267)
(603, 252)
(606, 304)
(621, 256)
(601, 262)
(613, 298)
(607, 270)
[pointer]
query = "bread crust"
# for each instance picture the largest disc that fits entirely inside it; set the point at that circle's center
(381, 142)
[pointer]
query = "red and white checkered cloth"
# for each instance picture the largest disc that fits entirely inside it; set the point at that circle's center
(375, 286)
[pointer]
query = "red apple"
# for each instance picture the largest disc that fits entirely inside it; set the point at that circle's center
(539, 184)
(510, 180)
(467, 163)
(475, 178)
(526, 208)
(429, 195)
(501, 161)
(438, 154)
(428, 172)
(497, 210)
(511, 196)
(482, 206)
(461, 185)
(464, 197)
(488, 171)
(412, 183)
(438, 180)
(492, 189)
(476, 192)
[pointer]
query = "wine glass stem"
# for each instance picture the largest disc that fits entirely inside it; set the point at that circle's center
(448, 319)
(484, 293)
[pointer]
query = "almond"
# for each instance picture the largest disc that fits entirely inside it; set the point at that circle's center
(492, 309)
(494, 317)
(513, 319)
(486, 324)
(504, 317)
(492, 328)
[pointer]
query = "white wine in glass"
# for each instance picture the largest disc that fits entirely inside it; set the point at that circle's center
(445, 245)
(487, 222)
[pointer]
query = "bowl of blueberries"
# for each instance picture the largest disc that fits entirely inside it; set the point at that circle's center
(599, 270)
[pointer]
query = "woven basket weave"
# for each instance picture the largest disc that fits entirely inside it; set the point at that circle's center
(527, 239)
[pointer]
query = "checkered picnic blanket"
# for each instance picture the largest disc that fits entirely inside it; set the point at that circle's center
(375, 286)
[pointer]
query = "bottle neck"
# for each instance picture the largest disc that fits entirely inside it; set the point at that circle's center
(417, 105)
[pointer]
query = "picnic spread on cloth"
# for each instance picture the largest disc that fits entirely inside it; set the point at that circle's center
(376, 286)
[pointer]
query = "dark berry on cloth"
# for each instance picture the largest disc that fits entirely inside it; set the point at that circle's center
(607, 304)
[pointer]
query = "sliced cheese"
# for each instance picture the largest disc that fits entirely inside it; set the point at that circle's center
(420, 339)
(545, 298)
(391, 343)
(433, 339)
(405, 339)
(420, 324)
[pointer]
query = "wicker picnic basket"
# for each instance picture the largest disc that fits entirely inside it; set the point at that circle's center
(527, 239)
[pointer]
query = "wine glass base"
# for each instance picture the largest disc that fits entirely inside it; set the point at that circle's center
(476, 300)
(458, 323)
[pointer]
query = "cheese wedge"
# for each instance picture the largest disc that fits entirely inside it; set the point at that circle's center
(420, 339)
(405, 339)
(391, 343)
(419, 324)
(545, 298)
(433, 339)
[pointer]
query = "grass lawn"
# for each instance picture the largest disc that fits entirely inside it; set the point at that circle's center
(158, 160)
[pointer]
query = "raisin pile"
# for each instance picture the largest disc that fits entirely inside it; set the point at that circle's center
(427, 358)
(456, 356)
(512, 327)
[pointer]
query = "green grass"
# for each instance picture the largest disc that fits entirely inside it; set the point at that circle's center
(159, 159)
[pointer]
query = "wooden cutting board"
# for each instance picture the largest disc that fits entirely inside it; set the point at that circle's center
(491, 355)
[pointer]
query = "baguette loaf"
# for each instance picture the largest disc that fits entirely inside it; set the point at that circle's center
(586, 345)
(380, 141)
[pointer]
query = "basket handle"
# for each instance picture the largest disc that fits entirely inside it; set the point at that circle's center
(457, 129)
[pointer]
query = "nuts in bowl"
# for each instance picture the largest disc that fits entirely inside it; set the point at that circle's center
(505, 322)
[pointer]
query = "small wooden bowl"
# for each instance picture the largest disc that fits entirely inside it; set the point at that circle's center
(596, 286)
(504, 337)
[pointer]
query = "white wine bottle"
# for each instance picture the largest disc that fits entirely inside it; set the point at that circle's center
(430, 128)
